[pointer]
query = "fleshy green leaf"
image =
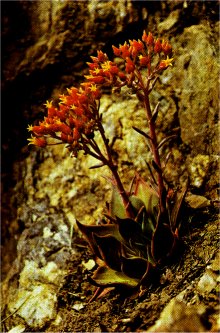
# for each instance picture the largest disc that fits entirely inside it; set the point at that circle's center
(162, 242)
(105, 276)
(176, 207)
(136, 202)
(130, 230)
(133, 235)
(100, 230)
(148, 225)
(110, 250)
(147, 194)
(150, 258)
(117, 207)
(134, 267)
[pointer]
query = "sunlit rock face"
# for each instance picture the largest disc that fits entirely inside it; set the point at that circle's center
(47, 45)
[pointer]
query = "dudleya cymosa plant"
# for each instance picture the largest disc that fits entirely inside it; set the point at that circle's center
(140, 228)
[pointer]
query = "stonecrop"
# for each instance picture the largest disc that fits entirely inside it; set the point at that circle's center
(74, 119)
(140, 229)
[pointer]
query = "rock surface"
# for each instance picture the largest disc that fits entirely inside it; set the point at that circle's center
(44, 250)
(184, 313)
(46, 45)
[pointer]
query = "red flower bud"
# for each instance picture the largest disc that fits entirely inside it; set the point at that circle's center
(102, 56)
(130, 66)
(124, 50)
(78, 111)
(82, 98)
(72, 92)
(138, 45)
(166, 48)
(54, 128)
(40, 130)
(67, 138)
(72, 122)
(64, 137)
(116, 51)
(70, 139)
(65, 129)
(61, 115)
(122, 76)
(97, 94)
(148, 39)
(157, 46)
(144, 36)
(95, 79)
(144, 60)
(92, 65)
(52, 112)
(113, 70)
(40, 142)
(80, 124)
(76, 134)
(94, 59)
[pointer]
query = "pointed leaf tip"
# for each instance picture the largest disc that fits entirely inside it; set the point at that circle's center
(105, 276)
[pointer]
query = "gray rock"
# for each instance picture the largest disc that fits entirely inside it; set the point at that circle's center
(31, 287)
(178, 317)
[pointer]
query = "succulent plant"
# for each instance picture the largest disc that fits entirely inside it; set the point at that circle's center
(127, 249)
(140, 230)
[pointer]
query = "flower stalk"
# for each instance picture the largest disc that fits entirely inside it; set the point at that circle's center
(155, 153)
(113, 168)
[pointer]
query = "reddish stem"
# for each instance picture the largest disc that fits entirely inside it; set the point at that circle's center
(155, 152)
(113, 169)
(153, 142)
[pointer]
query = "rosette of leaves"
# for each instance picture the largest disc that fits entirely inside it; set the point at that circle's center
(126, 249)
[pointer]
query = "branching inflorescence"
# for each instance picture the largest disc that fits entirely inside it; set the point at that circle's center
(141, 226)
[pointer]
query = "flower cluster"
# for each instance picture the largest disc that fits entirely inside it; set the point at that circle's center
(135, 55)
(74, 121)
(74, 118)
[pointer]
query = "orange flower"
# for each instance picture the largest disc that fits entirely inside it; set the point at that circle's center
(30, 128)
(49, 104)
(40, 142)
(96, 71)
(166, 63)
(63, 99)
(106, 66)
(95, 91)
(76, 113)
